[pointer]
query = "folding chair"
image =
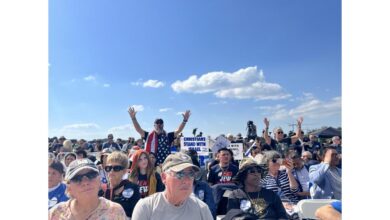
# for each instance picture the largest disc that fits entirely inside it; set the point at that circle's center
(308, 207)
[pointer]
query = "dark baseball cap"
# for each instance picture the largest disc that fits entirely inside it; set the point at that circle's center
(158, 121)
(78, 165)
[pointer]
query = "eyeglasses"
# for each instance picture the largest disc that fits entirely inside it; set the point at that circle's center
(78, 178)
(181, 174)
(115, 168)
(254, 170)
(280, 132)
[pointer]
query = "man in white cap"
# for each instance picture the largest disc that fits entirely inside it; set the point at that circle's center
(177, 201)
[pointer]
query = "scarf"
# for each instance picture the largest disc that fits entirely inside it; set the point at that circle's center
(151, 142)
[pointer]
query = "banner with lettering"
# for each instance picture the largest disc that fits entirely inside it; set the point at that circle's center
(199, 144)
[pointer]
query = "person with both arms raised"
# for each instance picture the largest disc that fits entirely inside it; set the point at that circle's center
(158, 141)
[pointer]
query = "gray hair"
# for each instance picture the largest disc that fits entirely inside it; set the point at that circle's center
(268, 156)
(308, 154)
(277, 128)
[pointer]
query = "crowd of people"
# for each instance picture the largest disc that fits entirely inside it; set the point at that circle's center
(154, 178)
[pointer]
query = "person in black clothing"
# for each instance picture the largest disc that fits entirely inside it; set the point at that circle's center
(120, 190)
(280, 142)
(250, 197)
(224, 171)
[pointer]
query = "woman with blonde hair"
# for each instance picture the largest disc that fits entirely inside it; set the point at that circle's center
(143, 174)
(120, 190)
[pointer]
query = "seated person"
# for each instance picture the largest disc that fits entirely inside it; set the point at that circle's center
(326, 176)
(251, 197)
(56, 187)
(329, 212)
(282, 182)
(120, 190)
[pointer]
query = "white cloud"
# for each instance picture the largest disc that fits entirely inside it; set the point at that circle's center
(89, 78)
(310, 107)
(126, 127)
(81, 126)
(270, 108)
(165, 109)
(106, 85)
(218, 103)
(153, 83)
(138, 108)
(248, 83)
(315, 108)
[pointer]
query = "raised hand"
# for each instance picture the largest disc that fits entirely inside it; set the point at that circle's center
(132, 112)
(186, 115)
(288, 164)
(299, 121)
(266, 122)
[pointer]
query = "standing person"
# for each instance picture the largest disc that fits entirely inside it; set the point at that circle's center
(110, 143)
(280, 142)
(251, 130)
(144, 175)
(158, 141)
(251, 197)
(56, 187)
(120, 190)
(224, 171)
(82, 188)
(326, 176)
(128, 145)
(176, 202)
(313, 145)
(55, 147)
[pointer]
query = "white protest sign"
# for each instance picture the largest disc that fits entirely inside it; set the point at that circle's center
(238, 150)
(220, 142)
(199, 144)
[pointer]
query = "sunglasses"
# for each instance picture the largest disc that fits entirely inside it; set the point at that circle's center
(280, 132)
(90, 175)
(277, 160)
(115, 168)
(180, 175)
(254, 170)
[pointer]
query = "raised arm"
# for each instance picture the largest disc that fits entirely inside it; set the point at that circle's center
(298, 132)
(265, 135)
(186, 116)
(289, 166)
(137, 127)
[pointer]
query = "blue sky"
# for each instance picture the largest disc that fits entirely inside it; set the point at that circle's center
(226, 61)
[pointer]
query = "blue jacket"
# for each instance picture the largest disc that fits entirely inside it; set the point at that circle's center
(203, 192)
(58, 195)
(320, 178)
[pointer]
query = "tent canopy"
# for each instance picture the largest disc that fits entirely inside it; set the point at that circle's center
(328, 132)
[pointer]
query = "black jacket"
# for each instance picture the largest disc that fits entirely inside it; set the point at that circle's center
(127, 198)
(271, 205)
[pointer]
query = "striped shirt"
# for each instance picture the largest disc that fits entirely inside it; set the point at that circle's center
(281, 186)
